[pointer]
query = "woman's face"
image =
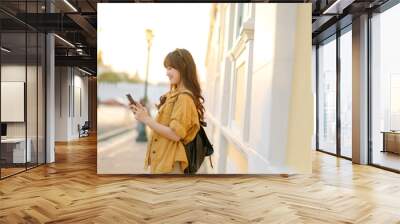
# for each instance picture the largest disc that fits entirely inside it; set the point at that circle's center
(173, 75)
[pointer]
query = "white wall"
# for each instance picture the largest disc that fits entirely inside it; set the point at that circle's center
(61, 103)
(12, 101)
(16, 73)
(33, 126)
(70, 84)
(282, 86)
(301, 116)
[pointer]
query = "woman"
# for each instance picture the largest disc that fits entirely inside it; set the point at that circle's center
(180, 113)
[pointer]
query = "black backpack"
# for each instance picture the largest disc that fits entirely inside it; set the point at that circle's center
(197, 149)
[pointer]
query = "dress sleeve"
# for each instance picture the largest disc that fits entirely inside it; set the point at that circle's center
(182, 115)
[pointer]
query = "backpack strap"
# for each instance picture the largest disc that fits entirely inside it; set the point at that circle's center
(191, 95)
(173, 105)
(177, 95)
(202, 123)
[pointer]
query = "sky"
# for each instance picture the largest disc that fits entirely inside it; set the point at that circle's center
(122, 39)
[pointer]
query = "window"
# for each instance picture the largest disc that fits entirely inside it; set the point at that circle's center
(239, 95)
(22, 64)
(238, 99)
(394, 102)
(14, 157)
(215, 99)
(385, 89)
(346, 94)
(239, 18)
(327, 96)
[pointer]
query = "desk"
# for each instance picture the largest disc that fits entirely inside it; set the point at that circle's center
(391, 141)
(15, 148)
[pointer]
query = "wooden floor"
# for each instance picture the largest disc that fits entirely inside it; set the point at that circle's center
(69, 191)
(387, 159)
(10, 171)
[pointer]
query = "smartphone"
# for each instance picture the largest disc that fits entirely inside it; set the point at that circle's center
(131, 100)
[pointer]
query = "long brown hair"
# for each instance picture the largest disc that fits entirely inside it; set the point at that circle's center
(181, 60)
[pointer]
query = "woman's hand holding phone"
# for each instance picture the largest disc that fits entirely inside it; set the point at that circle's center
(140, 112)
(130, 98)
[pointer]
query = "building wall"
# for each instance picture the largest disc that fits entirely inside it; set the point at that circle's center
(259, 96)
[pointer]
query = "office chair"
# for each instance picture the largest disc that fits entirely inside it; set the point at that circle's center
(84, 130)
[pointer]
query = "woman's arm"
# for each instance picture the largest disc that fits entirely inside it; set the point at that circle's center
(161, 129)
(143, 116)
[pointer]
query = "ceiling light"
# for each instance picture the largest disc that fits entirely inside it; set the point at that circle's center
(64, 40)
(86, 72)
(338, 6)
(5, 50)
(70, 5)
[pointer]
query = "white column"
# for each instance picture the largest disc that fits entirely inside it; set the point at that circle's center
(50, 92)
(50, 99)
(360, 90)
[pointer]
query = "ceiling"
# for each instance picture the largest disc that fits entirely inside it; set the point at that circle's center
(75, 23)
(329, 16)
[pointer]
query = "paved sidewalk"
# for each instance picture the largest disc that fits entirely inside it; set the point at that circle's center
(121, 154)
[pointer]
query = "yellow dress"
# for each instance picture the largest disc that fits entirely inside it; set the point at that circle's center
(182, 117)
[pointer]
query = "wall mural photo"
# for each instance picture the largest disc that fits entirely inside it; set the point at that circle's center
(216, 88)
